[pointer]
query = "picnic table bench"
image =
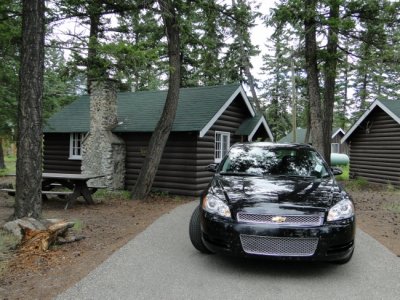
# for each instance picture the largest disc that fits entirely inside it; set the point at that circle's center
(75, 183)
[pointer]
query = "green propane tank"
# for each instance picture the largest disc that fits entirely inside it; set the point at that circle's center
(339, 159)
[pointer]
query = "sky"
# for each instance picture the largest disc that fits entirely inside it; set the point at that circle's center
(260, 35)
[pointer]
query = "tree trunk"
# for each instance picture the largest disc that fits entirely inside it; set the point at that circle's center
(345, 96)
(308, 122)
(330, 78)
(250, 82)
(246, 64)
(28, 200)
(364, 92)
(2, 163)
(93, 69)
(294, 100)
(312, 77)
(161, 133)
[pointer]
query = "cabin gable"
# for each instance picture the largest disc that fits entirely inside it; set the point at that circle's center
(375, 148)
(229, 121)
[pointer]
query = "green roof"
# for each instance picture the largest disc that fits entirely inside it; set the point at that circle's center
(140, 111)
(393, 106)
(247, 127)
(301, 135)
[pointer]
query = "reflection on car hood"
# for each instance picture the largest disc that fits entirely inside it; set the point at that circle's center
(247, 191)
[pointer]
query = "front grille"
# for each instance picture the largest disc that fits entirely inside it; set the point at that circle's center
(278, 246)
(292, 220)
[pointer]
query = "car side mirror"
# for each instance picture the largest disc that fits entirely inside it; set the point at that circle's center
(212, 168)
(336, 171)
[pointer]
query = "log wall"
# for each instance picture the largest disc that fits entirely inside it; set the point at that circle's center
(56, 154)
(177, 170)
(183, 165)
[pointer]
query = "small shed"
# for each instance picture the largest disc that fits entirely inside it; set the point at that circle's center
(374, 143)
(208, 121)
(336, 145)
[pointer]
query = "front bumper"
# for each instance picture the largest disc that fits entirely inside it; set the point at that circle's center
(335, 241)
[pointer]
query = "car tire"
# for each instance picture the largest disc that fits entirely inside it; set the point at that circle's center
(344, 260)
(195, 232)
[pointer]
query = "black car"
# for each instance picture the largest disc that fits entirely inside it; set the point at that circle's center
(275, 201)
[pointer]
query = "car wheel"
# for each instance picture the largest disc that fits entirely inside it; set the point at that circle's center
(195, 232)
(344, 260)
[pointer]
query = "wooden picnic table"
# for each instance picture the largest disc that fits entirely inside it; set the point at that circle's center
(77, 183)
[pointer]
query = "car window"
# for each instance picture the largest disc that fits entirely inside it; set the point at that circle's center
(248, 160)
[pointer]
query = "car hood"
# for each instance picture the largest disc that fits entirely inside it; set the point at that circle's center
(259, 193)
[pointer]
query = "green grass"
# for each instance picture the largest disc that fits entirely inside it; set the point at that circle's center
(345, 175)
(78, 225)
(357, 184)
(10, 165)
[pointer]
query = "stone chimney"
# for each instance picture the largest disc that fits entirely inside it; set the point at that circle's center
(104, 152)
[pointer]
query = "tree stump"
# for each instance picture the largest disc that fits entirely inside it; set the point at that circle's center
(34, 240)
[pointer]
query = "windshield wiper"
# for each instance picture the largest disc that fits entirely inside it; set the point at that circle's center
(238, 174)
(291, 176)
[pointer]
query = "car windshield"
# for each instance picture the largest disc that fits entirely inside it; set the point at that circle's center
(261, 161)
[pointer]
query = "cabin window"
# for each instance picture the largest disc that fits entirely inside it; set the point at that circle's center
(222, 144)
(335, 148)
(75, 145)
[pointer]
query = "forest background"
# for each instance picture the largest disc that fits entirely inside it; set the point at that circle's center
(357, 54)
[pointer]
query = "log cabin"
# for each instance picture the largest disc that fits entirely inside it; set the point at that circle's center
(108, 133)
(374, 143)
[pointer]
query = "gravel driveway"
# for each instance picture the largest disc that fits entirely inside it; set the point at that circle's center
(161, 263)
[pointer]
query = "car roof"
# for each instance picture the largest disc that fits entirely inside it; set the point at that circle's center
(271, 145)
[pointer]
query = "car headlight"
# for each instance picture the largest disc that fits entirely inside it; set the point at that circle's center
(214, 205)
(344, 209)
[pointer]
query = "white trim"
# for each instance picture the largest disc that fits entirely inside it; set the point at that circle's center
(71, 146)
(337, 131)
(221, 133)
(264, 122)
(225, 106)
(365, 115)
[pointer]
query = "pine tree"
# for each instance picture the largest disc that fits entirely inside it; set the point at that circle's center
(28, 200)
(10, 36)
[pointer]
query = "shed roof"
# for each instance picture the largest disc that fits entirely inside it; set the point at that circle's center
(198, 109)
(391, 107)
(251, 125)
(301, 135)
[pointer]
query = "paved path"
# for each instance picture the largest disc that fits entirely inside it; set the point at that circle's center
(161, 263)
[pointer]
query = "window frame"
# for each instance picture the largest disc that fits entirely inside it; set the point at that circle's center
(74, 138)
(219, 153)
(335, 145)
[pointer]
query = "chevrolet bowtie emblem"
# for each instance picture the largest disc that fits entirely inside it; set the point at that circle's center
(278, 219)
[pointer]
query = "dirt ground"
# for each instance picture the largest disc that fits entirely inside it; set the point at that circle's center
(113, 221)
